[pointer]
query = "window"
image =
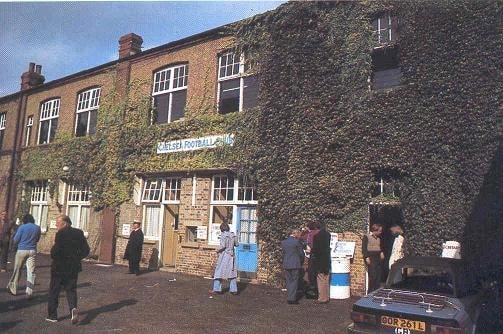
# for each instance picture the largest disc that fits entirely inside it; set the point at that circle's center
(29, 126)
(385, 56)
(170, 93)
(3, 119)
(49, 113)
(386, 182)
(88, 103)
(79, 206)
(385, 29)
(236, 92)
(39, 206)
(156, 194)
(229, 192)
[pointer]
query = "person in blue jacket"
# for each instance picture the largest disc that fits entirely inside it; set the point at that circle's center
(26, 239)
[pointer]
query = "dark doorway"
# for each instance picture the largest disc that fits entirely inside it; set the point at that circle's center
(386, 215)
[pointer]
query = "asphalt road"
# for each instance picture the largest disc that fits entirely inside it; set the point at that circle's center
(111, 301)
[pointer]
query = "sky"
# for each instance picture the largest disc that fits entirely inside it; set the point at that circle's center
(68, 37)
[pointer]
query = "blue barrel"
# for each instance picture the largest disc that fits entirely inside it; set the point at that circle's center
(339, 278)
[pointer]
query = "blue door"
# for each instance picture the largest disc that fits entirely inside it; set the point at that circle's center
(247, 250)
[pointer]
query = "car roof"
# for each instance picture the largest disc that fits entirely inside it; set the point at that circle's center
(429, 261)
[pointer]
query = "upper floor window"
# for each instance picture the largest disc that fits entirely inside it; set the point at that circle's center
(385, 29)
(29, 127)
(236, 91)
(170, 93)
(3, 120)
(88, 103)
(386, 183)
(49, 113)
(385, 56)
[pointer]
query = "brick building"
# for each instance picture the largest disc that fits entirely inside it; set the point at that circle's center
(173, 180)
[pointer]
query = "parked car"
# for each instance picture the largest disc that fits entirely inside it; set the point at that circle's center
(423, 295)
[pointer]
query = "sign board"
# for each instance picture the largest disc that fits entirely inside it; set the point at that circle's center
(126, 230)
(191, 144)
(344, 249)
(202, 232)
(334, 237)
(52, 224)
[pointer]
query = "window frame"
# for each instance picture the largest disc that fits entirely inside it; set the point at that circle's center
(49, 111)
(170, 90)
(40, 198)
(3, 123)
(28, 130)
(390, 31)
(160, 200)
(241, 75)
(235, 202)
(88, 104)
(81, 198)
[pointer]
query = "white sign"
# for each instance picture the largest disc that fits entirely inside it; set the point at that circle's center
(191, 144)
(202, 232)
(344, 249)
(52, 224)
(334, 237)
(126, 230)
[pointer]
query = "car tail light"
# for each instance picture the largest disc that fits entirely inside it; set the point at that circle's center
(436, 329)
(363, 318)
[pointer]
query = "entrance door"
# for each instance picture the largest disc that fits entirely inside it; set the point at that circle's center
(170, 240)
(247, 250)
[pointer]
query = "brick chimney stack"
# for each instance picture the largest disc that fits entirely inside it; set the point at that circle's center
(33, 77)
(129, 45)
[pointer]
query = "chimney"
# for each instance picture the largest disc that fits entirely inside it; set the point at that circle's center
(129, 45)
(33, 77)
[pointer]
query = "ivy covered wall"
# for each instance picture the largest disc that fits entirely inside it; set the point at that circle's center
(322, 135)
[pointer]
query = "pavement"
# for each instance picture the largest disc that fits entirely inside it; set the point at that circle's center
(111, 301)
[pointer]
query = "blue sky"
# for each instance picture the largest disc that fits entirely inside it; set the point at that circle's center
(68, 37)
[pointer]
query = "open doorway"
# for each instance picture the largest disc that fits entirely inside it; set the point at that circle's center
(386, 215)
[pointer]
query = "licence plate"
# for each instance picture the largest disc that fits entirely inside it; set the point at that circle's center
(403, 326)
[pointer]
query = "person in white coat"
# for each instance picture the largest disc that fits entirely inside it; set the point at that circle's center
(397, 250)
(226, 266)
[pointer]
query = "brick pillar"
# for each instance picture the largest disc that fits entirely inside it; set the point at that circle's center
(129, 45)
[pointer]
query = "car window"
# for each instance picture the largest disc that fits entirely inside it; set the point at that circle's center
(431, 280)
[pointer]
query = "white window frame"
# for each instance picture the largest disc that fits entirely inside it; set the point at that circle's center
(161, 185)
(3, 120)
(170, 89)
(40, 198)
(381, 31)
(49, 111)
(78, 196)
(232, 76)
(87, 101)
(29, 129)
(235, 202)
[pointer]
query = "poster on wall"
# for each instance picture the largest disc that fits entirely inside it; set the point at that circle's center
(202, 232)
(126, 230)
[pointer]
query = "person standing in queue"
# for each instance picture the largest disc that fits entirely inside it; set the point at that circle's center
(373, 256)
(293, 257)
(322, 263)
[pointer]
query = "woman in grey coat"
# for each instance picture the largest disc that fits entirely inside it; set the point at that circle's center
(226, 268)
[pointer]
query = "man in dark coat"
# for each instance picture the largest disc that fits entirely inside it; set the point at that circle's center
(70, 247)
(293, 256)
(321, 262)
(133, 249)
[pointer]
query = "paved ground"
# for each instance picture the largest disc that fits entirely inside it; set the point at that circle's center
(111, 301)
